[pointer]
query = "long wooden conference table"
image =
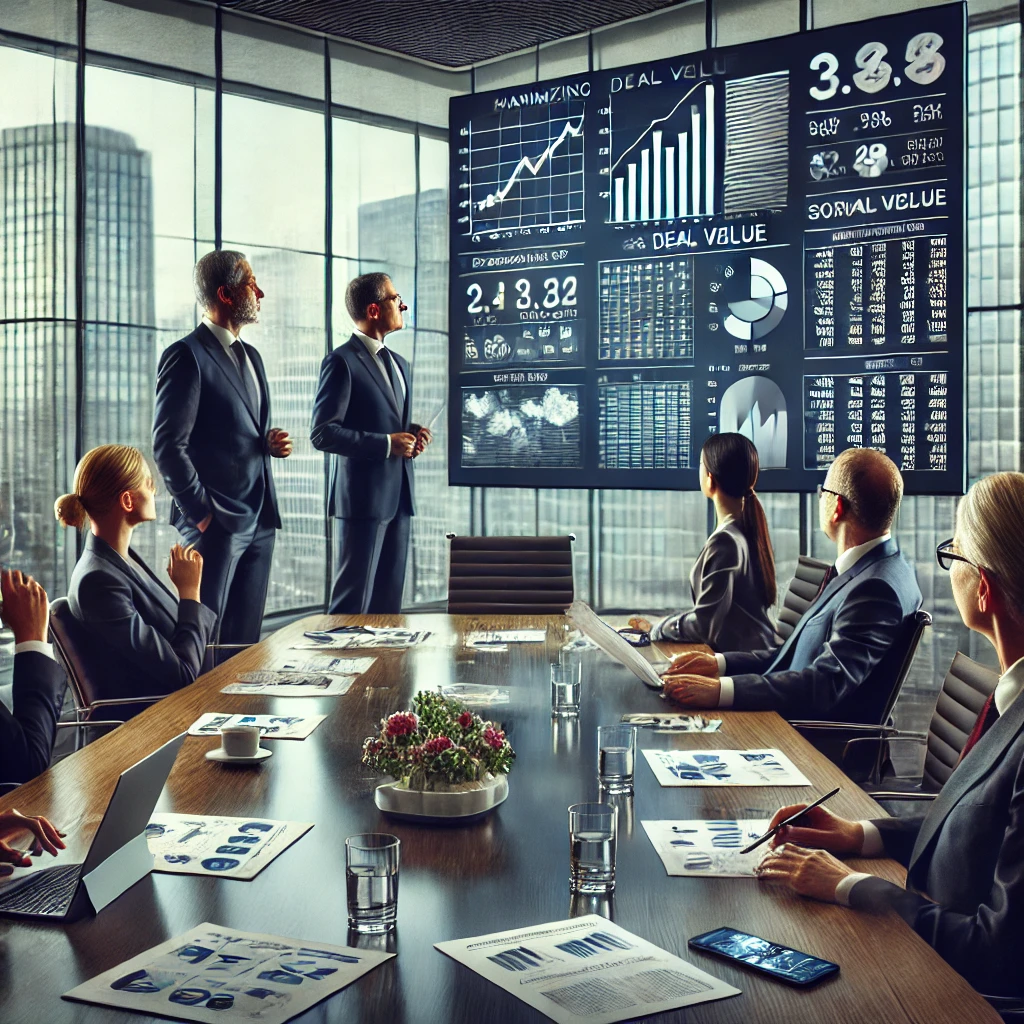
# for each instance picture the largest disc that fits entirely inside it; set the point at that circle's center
(508, 871)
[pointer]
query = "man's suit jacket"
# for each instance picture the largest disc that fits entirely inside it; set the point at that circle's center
(965, 883)
(727, 614)
(209, 443)
(141, 639)
(819, 671)
(353, 413)
(27, 735)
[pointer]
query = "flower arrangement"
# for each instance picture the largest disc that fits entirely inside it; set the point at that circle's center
(440, 741)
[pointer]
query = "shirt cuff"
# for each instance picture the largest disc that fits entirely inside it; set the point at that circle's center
(720, 661)
(873, 845)
(387, 441)
(726, 695)
(35, 646)
(846, 885)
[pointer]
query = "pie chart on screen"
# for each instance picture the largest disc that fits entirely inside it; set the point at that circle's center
(756, 297)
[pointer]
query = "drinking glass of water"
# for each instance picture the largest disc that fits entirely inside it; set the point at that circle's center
(592, 831)
(616, 747)
(371, 879)
(566, 675)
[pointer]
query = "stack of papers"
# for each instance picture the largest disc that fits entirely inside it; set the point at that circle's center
(708, 848)
(475, 695)
(327, 678)
(724, 768)
(351, 638)
(674, 723)
(501, 638)
(586, 969)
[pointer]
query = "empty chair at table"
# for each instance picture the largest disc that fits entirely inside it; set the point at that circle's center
(138, 637)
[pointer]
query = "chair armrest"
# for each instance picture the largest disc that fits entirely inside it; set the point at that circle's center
(874, 731)
(228, 647)
(8, 787)
(886, 795)
(98, 724)
(115, 701)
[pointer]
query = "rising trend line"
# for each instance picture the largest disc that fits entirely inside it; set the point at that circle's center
(658, 120)
(527, 164)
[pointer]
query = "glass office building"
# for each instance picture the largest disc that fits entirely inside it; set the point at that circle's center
(136, 136)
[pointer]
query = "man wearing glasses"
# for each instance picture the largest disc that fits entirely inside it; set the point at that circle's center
(361, 415)
(861, 612)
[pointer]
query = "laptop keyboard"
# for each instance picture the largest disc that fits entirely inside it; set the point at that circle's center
(48, 892)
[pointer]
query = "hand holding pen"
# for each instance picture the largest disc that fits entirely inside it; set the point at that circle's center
(811, 825)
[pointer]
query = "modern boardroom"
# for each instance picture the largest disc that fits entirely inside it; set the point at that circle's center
(511, 511)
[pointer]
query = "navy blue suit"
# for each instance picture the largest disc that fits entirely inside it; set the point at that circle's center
(140, 638)
(210, 445)
(820, 670)
(27, 735)
(370, 494)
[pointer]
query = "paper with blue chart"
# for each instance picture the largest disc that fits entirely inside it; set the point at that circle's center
(708, 848)
(724, 768)
(196, 844)
(586, 969)
(213, 973)
(272, 727)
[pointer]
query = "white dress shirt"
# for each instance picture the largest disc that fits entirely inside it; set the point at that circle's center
(1008, 689)
(373, 346)
(227, 339)
(847, 560)
(37, 646)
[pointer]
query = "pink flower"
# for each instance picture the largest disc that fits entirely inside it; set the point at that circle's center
(494, 738)
(437, 746)
(466, 720)
(402, 723)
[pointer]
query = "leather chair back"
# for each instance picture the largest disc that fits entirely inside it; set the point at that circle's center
(510, 575)
(966, 687)
(803, 589)
(71, 642)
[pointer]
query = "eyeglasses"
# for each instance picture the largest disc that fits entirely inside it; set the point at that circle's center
(946, 556)
(822, 489)
(392, 298)
(636, 637)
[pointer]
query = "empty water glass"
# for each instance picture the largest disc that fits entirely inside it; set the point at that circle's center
(371, 878)
(616, 748)
(566, 677)
(592, 831)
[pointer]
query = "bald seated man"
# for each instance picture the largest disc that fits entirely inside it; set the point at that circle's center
(862, 611)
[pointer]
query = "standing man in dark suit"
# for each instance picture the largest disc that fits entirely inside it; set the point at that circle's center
(861, 613)
(212, 445)
(27, 734)
(361, 415)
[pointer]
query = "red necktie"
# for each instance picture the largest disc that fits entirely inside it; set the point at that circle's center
(830, 575)
(986, 716)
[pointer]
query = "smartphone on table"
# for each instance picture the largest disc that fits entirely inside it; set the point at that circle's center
(769, 958)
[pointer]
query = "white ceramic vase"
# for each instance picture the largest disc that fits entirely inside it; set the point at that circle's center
(451, 804)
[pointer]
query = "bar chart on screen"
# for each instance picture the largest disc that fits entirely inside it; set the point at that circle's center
(668, 169)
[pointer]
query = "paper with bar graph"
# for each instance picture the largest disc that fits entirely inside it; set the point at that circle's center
(708, 848)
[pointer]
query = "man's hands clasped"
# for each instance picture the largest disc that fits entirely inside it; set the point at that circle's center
(405, 445)
(692, 680)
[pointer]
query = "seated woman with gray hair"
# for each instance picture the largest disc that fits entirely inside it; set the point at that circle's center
(965, 888)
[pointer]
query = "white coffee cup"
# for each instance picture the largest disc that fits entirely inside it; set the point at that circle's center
(240, 740)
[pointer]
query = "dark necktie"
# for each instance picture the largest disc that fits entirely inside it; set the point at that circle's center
(830, 575)
(986, 719)
(238, 350)
(389, 366)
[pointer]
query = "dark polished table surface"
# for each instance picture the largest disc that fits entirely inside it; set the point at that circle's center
(509, 871)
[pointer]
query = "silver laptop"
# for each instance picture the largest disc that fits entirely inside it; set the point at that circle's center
(116, 859)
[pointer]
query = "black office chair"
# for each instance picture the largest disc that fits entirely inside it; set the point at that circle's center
(866, 762)
(510, 575)
(964, 690)
(803, 589)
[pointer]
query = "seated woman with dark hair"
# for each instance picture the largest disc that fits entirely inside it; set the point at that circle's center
(965, 888)
(140, 637)
(732, 583)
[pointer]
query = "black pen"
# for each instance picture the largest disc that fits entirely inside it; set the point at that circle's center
(799, 814)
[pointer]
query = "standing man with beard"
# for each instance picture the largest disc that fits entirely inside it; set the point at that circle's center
(213, 448)
(361, 415)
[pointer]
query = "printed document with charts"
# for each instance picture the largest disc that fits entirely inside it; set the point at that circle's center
(609, 640)
(586, 969)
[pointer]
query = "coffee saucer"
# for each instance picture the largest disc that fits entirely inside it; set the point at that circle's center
(217, 754)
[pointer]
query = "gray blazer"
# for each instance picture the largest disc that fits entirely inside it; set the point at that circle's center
(727, 614)
(966, 853)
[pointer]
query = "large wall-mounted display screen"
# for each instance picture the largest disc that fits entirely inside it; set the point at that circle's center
(765, 239)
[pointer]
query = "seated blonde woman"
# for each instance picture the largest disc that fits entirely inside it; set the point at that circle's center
(142, 639)
(965, 888)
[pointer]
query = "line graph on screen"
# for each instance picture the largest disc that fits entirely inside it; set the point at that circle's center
(525, 168)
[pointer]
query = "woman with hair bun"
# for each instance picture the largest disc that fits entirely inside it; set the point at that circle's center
(140, 638)
(964, 891)
(732, 583)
